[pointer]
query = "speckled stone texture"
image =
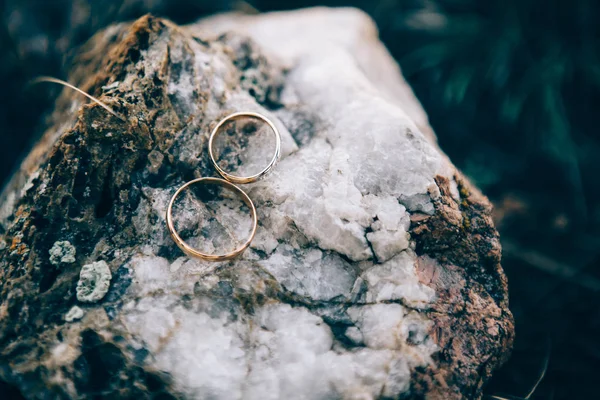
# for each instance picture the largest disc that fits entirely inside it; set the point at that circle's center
(375, 272)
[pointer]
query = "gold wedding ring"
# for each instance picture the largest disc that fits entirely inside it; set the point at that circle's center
(196, 253)
(251, 178)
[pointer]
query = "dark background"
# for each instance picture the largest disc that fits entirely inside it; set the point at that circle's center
(511, 88)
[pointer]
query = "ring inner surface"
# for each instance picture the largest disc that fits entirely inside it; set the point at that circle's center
(211, 218)
(244, 146)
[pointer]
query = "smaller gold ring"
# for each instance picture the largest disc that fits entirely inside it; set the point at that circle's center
(189, 250)
(251, 178)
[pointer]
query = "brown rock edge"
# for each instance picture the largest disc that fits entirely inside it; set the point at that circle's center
(459, 256)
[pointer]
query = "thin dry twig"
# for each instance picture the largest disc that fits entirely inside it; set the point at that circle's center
(61, 82)
(543, 371)
(245, 7)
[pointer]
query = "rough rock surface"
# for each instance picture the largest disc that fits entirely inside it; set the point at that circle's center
(375, 272)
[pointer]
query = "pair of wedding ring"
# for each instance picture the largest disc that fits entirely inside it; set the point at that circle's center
(228, 182)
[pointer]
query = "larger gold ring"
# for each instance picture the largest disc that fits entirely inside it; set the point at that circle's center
(196, 253)
(251, 178)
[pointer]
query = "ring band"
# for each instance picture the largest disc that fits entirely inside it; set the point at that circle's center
(196, 253)
(251, 178)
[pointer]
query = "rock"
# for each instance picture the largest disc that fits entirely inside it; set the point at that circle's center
(375, 272)
(40, 39)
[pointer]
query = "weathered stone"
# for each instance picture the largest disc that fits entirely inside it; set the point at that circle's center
(375, 272)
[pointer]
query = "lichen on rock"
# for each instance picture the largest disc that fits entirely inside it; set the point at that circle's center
(74, 314)
(94, 281)
(62, 252)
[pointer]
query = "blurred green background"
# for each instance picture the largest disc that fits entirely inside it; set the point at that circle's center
(512, 91)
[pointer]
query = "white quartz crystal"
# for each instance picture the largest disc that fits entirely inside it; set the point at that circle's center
(333, 236)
